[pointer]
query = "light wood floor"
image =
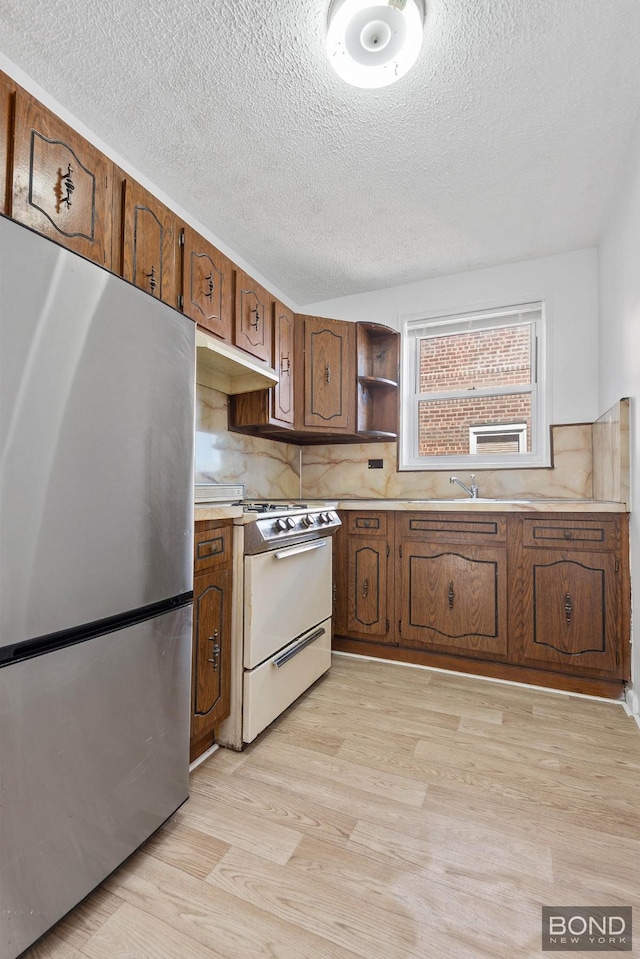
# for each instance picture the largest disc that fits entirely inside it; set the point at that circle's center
(391, 813)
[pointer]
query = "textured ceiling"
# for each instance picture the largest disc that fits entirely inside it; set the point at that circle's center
(502, 143)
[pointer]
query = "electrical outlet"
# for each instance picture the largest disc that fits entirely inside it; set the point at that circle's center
(375, 464)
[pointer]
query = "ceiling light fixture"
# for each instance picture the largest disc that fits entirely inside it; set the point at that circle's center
(372, 44)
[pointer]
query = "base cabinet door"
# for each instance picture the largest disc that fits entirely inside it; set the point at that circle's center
(367, 588)
(454, 598)
(570, 610)
(211, 649)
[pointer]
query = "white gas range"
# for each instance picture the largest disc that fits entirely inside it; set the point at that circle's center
(282, 609)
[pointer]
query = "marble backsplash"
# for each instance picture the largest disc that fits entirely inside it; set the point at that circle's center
(611, 451)
(342, 471)
(590, 461)
(268, 470)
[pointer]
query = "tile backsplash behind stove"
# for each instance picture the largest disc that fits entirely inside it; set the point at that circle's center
(267, 469)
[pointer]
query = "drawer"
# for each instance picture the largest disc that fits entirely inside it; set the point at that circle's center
(367, 524)
(212, 546)
(570, 534)
(485, 528)
(271, 687)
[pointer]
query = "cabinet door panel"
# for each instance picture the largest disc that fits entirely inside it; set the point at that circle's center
(283, 354)
(454, 598)
(149, 241)
(570, 611)
(329, 375)
(253, 322)
(207, 291)
(211, 650)
(7, 91)
(367, 591)
(61, 183)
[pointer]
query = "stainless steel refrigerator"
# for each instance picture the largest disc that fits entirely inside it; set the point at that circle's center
(96, 538)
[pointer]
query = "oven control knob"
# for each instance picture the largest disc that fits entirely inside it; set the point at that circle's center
(325, 517)
(290, 523)
(280, 524)
(308, 520)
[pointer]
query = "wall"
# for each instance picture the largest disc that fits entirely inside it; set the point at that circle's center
(619, 281)
(567, 282)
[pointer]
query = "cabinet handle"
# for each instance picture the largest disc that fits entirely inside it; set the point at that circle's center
(568, 608)
(334, 594)
(451, 595)
(210, 287)
(285, 359)
(365, 588)
(256, 322)
(63, 188)
(328, 373)
(151, 277)
(216, 650)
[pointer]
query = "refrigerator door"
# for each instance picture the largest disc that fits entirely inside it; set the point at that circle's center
(94, 745)
(96, 441)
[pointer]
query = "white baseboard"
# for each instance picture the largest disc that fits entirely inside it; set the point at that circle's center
(632, 702)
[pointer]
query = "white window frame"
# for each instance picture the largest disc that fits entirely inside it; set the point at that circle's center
(414, 327)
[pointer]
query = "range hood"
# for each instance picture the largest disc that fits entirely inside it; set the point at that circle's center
(228, 369)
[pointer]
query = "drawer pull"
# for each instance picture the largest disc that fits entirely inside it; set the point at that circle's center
(568, 608)
(568, 534)
(451, 595)
(281, 660)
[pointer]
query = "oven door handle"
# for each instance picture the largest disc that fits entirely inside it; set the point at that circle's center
(296, 550)
(311, 638)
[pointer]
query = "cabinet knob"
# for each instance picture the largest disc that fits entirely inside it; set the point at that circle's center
(568, 534)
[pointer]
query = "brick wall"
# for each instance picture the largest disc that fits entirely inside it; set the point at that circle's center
(463, 361)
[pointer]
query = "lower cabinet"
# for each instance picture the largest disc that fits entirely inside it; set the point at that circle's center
(542, 600)
(573, 614)
(363, 557)
(211, 651)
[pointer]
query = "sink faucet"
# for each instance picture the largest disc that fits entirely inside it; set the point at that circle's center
(471, 490)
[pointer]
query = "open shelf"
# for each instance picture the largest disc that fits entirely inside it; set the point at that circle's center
(378, 357)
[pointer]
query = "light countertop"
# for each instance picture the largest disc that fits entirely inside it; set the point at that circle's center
(515, 505)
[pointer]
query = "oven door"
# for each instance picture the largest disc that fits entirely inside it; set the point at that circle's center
(286, 592)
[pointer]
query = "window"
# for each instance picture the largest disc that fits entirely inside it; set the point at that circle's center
(473, 392)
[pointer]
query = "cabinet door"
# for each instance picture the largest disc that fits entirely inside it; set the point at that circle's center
(454, 598)
(7, 90)
(283, 358)
(61, 183)
(211, 656)
(570, 610)
(149, 243)
(329, 374)
(253, 321)
(367, 588)
(207, 285)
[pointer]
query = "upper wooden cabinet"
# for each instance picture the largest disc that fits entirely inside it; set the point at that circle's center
(282, 395)
(328, 374)
(149, 240)
(254, 317)
(378, 358)
(7, 92)
(207, 285)
(61, 183)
